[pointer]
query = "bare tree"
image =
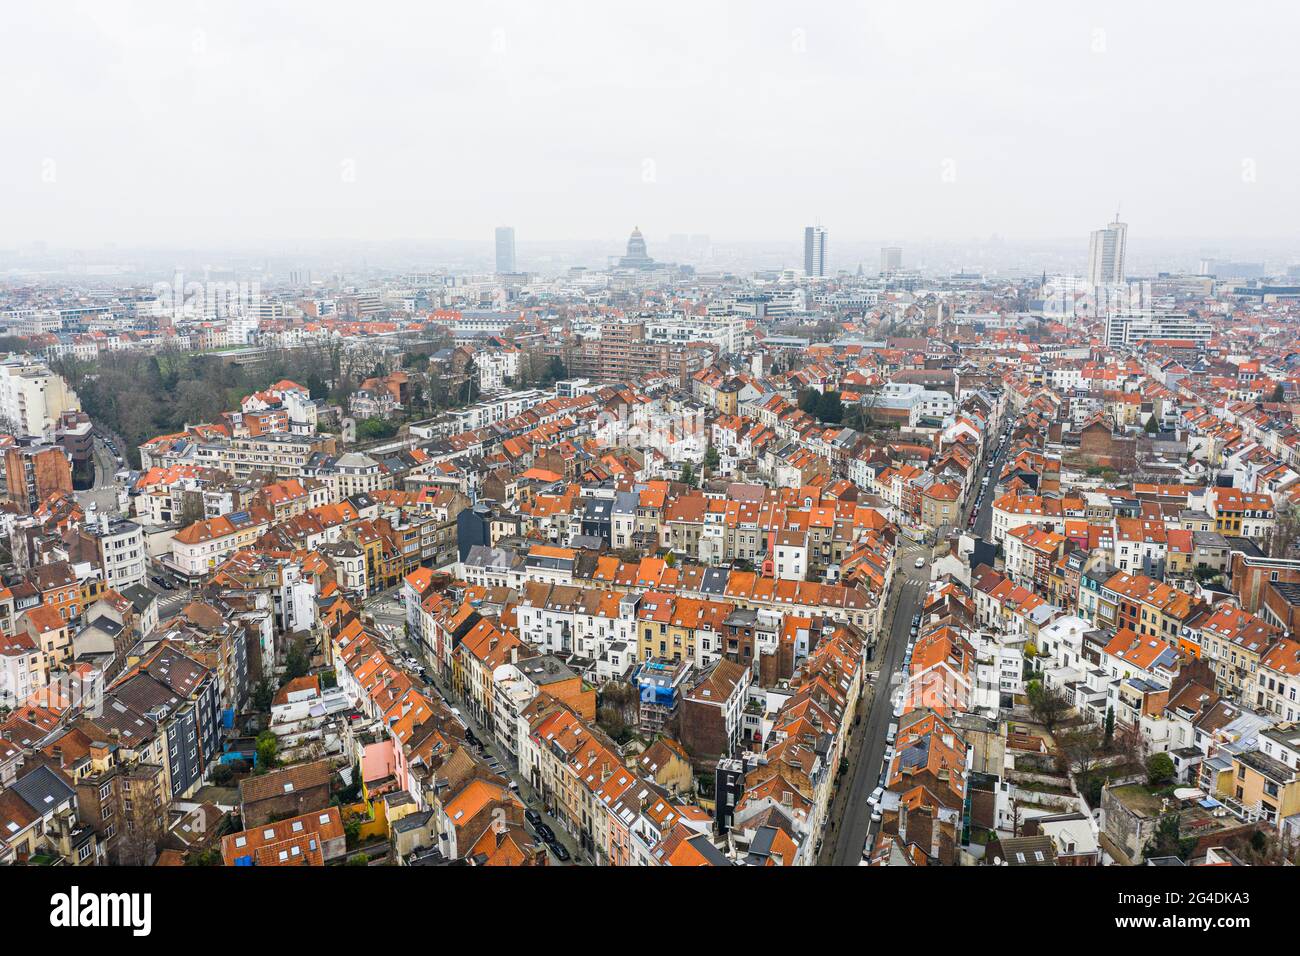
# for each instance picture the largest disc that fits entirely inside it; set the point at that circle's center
(1079, 753)
(1047, 704)
(138, 839)
(1286, 534)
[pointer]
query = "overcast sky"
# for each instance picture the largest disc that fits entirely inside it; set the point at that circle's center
(175, 122)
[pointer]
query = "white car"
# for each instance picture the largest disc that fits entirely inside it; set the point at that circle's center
(876, 794)
(920, 562)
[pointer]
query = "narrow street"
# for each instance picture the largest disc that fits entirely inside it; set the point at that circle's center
(850, 815)
(984, 521)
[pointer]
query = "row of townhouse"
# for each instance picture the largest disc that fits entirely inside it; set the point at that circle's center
(457, 807)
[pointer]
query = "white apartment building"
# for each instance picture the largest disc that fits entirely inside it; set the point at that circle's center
(495, 366)
(1135, 326)
(122, 554)
(32, 397)
(200, 548)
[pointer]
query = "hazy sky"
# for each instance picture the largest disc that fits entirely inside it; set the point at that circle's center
(174, 122)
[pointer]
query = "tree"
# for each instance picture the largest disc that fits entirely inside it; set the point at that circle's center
(1109, 732)
(611, 720)
(711, 459)
(555, 371)
(688, 474)
(1286, 533)
(1279, 394)
(297, 662)
(268, 750)
(1168, 839)
(1160, 769)
(830, 408)
(808, 401)
(138, 843)
(263, 694)
(1079, 753)
(352, 829)
(375, 429)
(1049, 707)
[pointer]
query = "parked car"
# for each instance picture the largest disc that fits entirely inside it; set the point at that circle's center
(558, 849)
(875, 796)
(544, 832)
(533, 817)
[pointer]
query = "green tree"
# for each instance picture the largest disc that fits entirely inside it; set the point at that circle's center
(808, 401)
(711, 459)
(1109, 733)
(1168, 839)
(555, 371)
(688, 474)
(262, 695)
(830, 408)
(1160, 769)
(297, 661)
(375, 429)
(268, 750)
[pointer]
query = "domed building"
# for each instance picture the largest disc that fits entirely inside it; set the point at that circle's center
(636, 257)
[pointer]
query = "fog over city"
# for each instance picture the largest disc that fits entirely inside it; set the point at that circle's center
(999, 135)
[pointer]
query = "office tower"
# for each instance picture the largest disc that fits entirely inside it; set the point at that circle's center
(1106, 254)
(891, 259)
(505, 249)
(814, 251)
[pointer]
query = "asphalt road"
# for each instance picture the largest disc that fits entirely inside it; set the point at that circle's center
(104, 491)
(853, 816)
(984, 520)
